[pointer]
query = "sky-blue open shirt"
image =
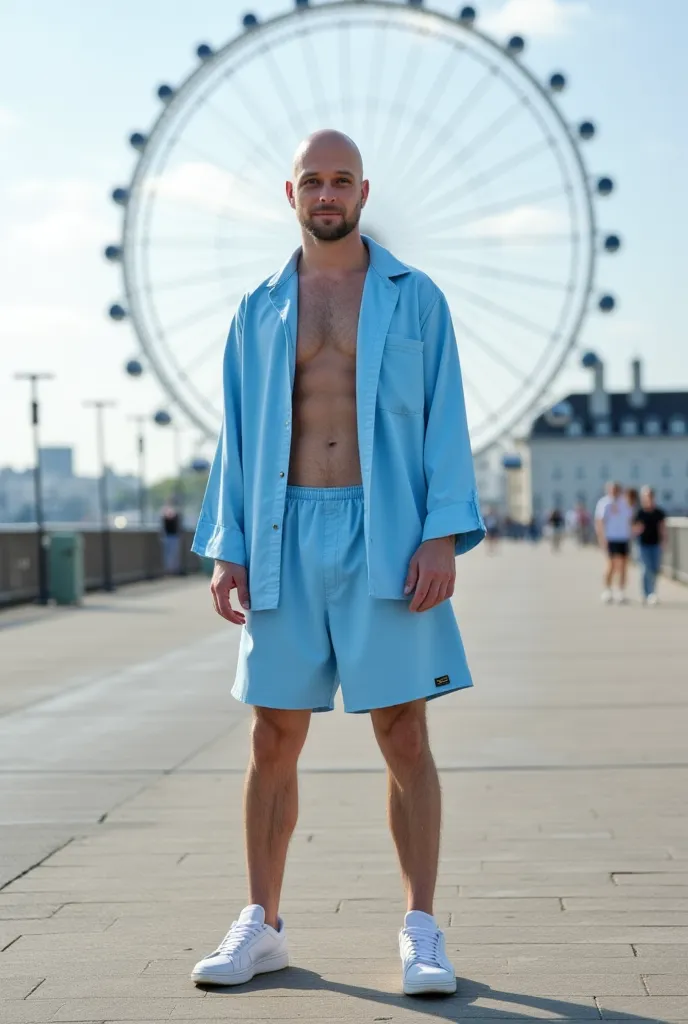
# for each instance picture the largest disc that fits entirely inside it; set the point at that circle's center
(416, 464)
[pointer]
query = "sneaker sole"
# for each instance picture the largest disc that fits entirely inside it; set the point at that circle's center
(425, 988)
(219, 977)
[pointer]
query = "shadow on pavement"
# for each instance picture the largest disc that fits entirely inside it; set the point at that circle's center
(453, 1008)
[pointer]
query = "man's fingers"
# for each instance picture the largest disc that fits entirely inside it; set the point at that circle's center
(422, 587)
(432, 596)
(411, 576)
(242, 592)
(223, 605)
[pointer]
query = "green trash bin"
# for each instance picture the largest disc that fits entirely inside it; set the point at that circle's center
(66, 567)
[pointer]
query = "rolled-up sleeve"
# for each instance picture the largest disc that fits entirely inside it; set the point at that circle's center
(220, 530)
(452, 502)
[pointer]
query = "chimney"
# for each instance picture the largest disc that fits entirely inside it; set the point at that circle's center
(637, 397)
(599, 399)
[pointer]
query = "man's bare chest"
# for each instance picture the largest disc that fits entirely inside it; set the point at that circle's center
(328, 319)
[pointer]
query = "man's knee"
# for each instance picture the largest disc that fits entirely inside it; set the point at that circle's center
(277, 737)
(402, 733)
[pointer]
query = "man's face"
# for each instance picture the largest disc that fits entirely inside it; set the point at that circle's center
(648, 500)
(327, 193)
(614, 492)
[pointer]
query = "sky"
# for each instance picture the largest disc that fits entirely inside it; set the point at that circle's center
(76, 78)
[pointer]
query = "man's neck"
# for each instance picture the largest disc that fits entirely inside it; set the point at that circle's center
(333, 258)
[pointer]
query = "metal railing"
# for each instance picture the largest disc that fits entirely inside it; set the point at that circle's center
(137, 554)
(675, 557)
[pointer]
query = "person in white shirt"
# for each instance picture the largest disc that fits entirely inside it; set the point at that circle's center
(614, 528)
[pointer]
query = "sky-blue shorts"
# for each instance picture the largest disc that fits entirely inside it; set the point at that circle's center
(328, 631)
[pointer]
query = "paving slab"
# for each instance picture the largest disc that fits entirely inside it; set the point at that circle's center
(563, 887)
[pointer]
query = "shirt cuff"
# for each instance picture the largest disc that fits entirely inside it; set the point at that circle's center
(224, 543)
(462, 519)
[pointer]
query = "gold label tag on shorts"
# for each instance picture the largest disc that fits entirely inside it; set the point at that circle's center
(441, 680)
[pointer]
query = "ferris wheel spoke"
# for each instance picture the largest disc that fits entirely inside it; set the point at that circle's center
(434, 95)
(258, 116)
(448, 127)
(313, 69)
(487, 241)
(344, 65)
(216, 275)
(405, 89)
(286, 98)
(486, 270)
(502, 311)
(482, 213)
(377, 66)
(261, 150)
(198, 316)
(483, 138)
(477, 394)
(202, 357)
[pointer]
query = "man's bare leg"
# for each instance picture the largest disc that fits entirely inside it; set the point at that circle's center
(609, 574)
(622, 569)
(415, 800)
(271, 801)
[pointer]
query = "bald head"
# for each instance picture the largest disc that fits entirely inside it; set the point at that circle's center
(327, 143)
(328, 191)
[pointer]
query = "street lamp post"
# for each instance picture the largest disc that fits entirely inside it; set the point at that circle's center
(43, 590)
(100, 407)
(141, 449)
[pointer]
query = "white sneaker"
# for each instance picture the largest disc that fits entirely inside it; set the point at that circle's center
(620, 597)
(250, 947)
(423, 955)
(606, 597)
(652, 599)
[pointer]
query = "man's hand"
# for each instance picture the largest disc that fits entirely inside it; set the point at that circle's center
(432, 572)
(227, 576)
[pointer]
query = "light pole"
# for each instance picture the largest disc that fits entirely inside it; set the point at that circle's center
(43, 591)
(100, 407)
(141, 448)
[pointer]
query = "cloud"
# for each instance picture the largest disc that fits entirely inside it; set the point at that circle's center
(8, 119)
(523, 220)
(209, 188)
(536, 17)
(60, 215)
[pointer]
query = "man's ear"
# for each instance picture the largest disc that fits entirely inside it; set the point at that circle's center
(365, 191)
(289, 189)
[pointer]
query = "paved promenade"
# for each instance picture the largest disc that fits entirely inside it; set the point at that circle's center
(564, 877)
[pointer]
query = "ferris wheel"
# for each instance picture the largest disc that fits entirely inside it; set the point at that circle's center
(476, 178)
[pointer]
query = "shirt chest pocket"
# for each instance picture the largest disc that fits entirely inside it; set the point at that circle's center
(401, 389)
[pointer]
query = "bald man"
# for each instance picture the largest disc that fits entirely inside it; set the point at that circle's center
(341, 492)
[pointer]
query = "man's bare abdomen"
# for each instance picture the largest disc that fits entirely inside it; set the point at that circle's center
(324, 447)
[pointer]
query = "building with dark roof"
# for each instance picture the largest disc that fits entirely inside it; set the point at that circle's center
(636, 437)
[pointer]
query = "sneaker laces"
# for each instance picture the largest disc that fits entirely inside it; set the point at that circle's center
(237, 936)
(423, 946)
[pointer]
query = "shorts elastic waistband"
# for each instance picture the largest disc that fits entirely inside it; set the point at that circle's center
(324, 493)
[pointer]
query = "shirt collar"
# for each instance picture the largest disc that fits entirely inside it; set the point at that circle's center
(381, 260)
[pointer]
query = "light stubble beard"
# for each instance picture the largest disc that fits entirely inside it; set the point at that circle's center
(332, 232)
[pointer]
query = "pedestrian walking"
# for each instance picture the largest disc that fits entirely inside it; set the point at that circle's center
(171, 530)
(650, 529)
(493, 530)
(344, 418)
(613, 524)
(556, 524)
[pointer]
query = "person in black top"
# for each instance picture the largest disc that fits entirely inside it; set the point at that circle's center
(556, 523)
(650, 529)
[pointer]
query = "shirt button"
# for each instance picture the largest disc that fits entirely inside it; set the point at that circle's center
(275, 526)
(281, 474)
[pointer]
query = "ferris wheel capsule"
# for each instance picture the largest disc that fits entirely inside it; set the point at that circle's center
(204, 52)
(120, 196)
(165, 93)
(134, 367)
(249, 21)
(138, 141)
(612, 243)
(162, 418)
(557, 82)
(605, 186)
(516, 45)
(113, 253)
(117, 312)
(607, 303)
(586, 130)
(467, 15)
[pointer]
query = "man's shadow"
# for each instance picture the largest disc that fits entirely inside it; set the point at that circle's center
(453, 1008)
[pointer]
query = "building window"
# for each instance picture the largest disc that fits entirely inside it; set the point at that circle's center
(602, 428)
(635, 471)
(557, 500)
(582, 497)
(677, 425)
(580, 472)
(575, 428)
(653, 426)
(668, 496)
(629, 427)
(557, 473)
(605, 473)
(666, 469)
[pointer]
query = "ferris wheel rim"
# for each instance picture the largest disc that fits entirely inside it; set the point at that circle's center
(179, 101)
